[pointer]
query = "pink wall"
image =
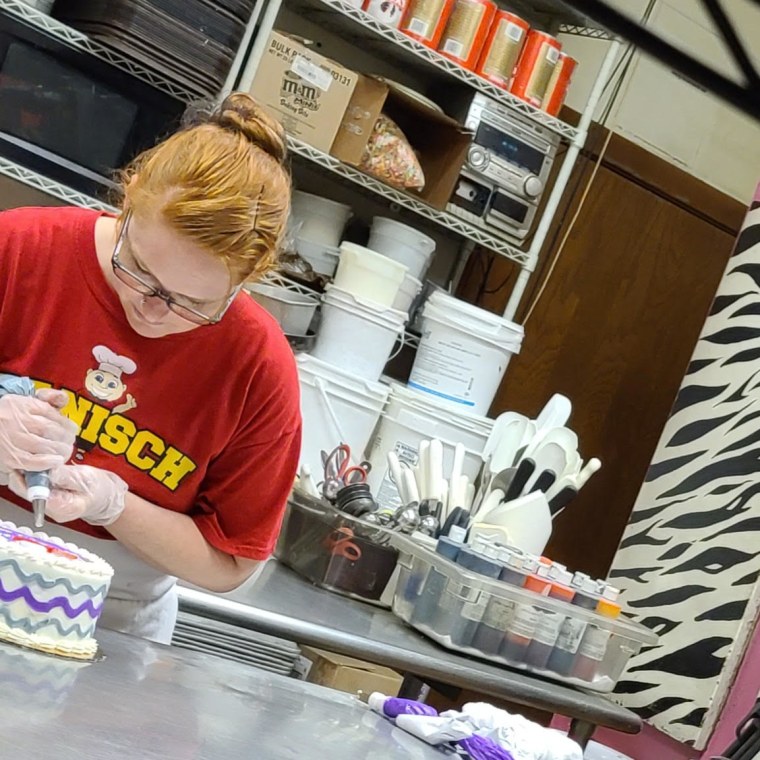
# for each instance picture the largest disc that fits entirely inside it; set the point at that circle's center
(651, 743)
(740, 700)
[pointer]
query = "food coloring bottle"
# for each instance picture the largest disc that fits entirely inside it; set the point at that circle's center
(594, 644)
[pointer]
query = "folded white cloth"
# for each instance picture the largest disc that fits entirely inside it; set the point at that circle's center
(525, 739)
(522, 738)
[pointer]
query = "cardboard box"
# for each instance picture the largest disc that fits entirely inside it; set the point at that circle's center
(349, 674)
(307, 92)
(359, 119)
(440, 142)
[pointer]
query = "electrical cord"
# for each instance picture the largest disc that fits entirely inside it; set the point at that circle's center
(568, 229)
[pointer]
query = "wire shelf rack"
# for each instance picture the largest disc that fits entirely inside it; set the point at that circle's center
(448, 221)
(346, 19)
(51, 187)
(76, 39)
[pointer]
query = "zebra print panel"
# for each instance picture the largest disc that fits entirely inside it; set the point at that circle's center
(689, 560)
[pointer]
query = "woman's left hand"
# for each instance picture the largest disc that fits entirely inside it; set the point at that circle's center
(80, 492)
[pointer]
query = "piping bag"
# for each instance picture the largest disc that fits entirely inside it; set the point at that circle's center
(37, 483)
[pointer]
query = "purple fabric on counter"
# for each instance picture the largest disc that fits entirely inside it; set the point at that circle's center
(482, 748)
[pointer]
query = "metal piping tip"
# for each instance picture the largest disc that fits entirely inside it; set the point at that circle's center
(38, 505)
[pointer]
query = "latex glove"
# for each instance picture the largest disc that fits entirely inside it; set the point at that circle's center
(34, 435)
(80, 492)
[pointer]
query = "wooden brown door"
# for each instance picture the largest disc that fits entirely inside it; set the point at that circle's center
(614, 331)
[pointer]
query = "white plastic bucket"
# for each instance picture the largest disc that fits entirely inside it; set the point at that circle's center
(402, 243)
(323, 258)
(322, 220)
(336, 408)
(294, 311)
(410, 289)
(369, 275)
(356, 335)
(464, 352)
(410, 418)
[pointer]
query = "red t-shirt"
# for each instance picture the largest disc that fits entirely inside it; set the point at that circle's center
(205, 422)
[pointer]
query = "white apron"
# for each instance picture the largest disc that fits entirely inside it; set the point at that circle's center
(142, 601)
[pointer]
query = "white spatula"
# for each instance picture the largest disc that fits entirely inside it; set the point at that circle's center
(555, 414)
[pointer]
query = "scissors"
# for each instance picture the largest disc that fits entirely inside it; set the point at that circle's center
(339, 472)
(341, 544)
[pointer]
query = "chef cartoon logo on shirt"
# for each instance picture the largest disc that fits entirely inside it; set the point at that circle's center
(103, 425)
(105, 382)
(98, 410)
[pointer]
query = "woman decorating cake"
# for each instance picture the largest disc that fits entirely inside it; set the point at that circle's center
(167, 407)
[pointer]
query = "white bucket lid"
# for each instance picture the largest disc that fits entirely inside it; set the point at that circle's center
(368, 309)
(425, 403)
(449, 310)
(310, 368)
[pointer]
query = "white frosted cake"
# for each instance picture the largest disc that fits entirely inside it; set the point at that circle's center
(51, 592)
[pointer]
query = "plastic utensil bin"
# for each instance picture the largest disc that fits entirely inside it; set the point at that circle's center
(336, 551)
(469, 613)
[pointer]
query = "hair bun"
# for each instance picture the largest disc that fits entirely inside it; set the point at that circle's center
(239, 112)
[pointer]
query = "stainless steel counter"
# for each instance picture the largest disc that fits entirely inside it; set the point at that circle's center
(283, 604)
(150, 702)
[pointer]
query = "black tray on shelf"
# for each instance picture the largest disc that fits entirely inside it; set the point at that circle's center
(241, 9)
(155, 39)
(201, 15)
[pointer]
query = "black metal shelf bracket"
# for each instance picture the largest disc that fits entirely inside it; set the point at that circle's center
(743, 93)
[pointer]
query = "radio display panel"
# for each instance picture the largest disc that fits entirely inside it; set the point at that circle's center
(510, 148)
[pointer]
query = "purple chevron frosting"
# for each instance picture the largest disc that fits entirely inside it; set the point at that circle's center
(58, 601)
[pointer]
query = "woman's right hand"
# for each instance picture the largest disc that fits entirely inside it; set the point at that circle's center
(34, 435)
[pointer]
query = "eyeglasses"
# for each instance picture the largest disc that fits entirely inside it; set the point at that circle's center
(125, 266)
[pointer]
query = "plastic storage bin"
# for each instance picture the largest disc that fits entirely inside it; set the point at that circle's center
(336, 551)
(470, 613)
